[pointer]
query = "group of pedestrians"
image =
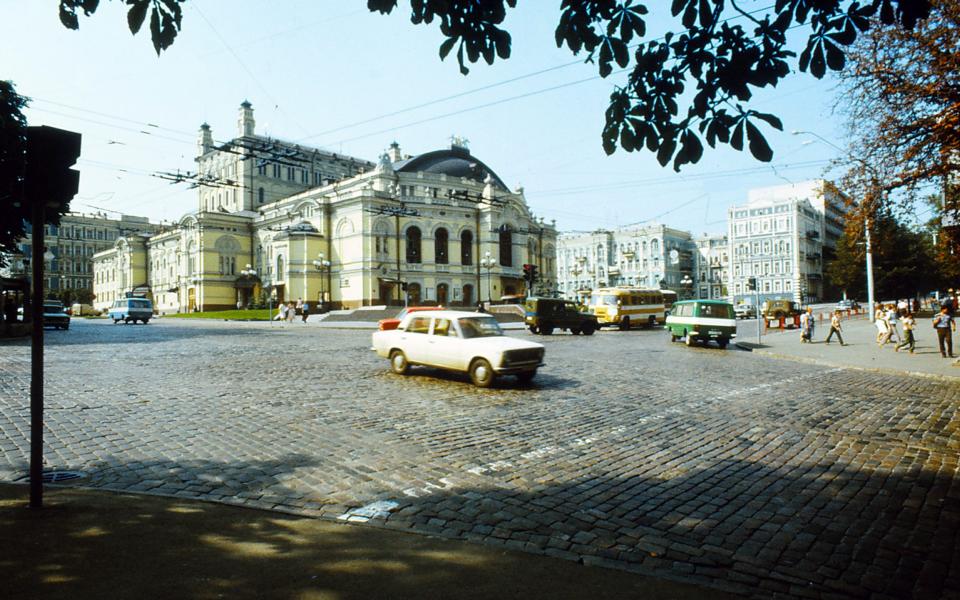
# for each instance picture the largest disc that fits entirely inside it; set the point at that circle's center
(289, 311)
(808, 325)
(886, 319)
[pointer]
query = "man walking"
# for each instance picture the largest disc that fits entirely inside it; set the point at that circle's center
(945, 326)
(835, 328)
(806, 326)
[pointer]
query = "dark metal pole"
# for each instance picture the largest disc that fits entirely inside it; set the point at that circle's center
(36, 352)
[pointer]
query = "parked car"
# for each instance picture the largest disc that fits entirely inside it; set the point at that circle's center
(775, 309)
(83, 310)
(848, 305)
(131, 310)
(543, 315)
(388, 324)
(54, 315)
(745, 311)
(702, 321)
(458, 341)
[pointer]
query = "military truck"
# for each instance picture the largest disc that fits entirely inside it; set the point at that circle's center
(543, 315)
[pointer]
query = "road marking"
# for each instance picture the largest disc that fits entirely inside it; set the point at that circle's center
(374, 510)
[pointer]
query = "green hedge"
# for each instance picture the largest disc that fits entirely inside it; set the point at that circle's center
(261, 314)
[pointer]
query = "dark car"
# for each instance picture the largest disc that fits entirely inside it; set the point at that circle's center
(55, 316)
(543, 315)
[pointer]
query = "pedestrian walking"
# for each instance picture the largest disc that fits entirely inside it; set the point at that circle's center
(902, 307)
(282, 313)
(299, 307)
(892, 333)
(908, 341)
(880, 321)
(945, 326)
(835, 328)
(305, 311)
(806, 326)
(291, 312)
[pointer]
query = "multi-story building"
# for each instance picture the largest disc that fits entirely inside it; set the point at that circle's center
(282, 221)
(711, 264)
(71, 246)
(653, 256)
(780, 237)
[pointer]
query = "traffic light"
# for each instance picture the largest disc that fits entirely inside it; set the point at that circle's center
(752, 284)
(530, 273)
(48, 177)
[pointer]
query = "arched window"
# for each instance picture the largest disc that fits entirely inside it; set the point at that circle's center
(441, 243)
(466, 249)
(413, 245)
(260, 195)
(280, 267)
(506, 246)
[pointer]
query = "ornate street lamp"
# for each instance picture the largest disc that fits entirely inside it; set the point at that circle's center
(248, 272)
(323, 266)
(488, 262)
(687, 283)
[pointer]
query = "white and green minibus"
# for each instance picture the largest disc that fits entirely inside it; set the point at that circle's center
(702, 321)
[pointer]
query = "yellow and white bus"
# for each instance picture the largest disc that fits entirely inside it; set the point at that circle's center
(627, 307)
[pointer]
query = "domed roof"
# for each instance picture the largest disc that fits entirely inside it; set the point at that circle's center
(455, 161)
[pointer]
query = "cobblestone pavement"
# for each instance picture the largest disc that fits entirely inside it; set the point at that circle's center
(749, 474)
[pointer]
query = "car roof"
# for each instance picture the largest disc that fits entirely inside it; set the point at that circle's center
(456, 314)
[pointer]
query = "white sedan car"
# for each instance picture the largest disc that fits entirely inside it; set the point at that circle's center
(458, 341)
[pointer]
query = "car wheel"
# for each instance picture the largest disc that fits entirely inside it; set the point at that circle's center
(625, 324)
(145, 321)
(127, 320)
(674, 337)
(534, 329)
(652, 322)
(691, 340)
(398, 362)
(546, 329)
(481, 373)
(526, 377)
(588, 329)
(575, 330)
(722, 343)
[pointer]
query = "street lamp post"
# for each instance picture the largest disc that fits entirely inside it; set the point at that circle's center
(488, 262)
(323, 266)
(866, 219)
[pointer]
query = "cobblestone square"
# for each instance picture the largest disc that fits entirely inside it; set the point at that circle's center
(748, 474)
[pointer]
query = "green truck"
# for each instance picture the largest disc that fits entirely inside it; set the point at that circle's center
(543, 315)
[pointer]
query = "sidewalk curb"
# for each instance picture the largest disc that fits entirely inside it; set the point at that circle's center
(826, 363)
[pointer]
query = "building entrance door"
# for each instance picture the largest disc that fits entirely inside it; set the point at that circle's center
(192, 300)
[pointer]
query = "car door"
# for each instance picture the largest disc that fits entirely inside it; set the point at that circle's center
(443, 344)
(413, 340)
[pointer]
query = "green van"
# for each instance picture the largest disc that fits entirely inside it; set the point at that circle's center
(702, 320)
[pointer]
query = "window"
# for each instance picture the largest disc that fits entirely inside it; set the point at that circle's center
(413, 245)
(291, 174)
(419, 325)
(506, 246)
(441, 246)
(466, 247)
(442, 327)
(260, 195)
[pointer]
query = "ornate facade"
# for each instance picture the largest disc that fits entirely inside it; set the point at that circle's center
(283, 221)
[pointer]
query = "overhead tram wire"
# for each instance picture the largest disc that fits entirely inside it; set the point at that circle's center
(498, 84)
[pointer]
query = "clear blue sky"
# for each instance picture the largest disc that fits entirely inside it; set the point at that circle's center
(314, 69)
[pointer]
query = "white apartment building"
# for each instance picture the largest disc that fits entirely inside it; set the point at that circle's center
(780, 236)
(711, 266)
(653, 256)
(72, 245)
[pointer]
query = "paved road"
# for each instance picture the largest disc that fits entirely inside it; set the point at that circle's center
(745, 473)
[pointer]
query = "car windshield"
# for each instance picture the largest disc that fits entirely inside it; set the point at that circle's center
(472, 327)
(402, 314)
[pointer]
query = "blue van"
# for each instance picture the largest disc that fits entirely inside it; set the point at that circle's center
(131, 310)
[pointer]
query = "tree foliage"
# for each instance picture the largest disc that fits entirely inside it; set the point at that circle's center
(901, 95)
(903, 260)
(13, 141)
(715, 60)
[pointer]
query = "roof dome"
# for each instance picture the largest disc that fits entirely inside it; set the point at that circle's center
(454, 162)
